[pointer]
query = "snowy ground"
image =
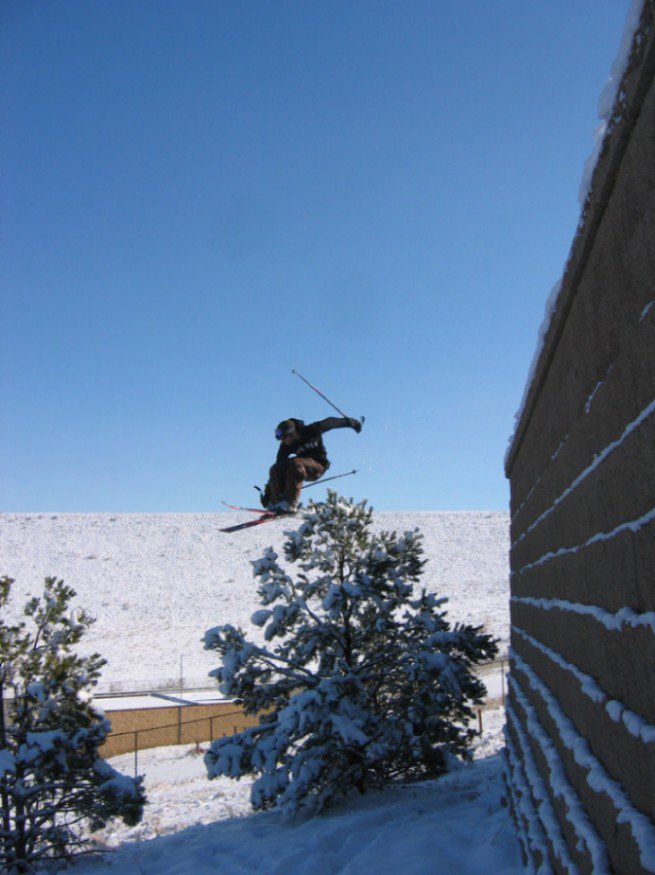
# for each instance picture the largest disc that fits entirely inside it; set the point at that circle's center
(455, 825)
(157, 582)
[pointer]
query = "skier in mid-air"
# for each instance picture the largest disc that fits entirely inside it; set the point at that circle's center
(301, 456)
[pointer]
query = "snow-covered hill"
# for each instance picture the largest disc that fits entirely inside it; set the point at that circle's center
(156, 582)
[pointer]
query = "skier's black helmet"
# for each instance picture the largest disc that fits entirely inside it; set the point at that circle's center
(284, 428)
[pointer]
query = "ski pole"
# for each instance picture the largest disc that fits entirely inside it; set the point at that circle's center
(325, 479)
(318, 392)
(322, 480)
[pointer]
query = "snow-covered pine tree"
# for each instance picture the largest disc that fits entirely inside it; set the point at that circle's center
(360, 679)
(53, 783)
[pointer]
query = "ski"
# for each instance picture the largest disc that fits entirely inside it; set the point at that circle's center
(259, 510)
(265, 518)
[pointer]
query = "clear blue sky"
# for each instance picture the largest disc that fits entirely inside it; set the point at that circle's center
(200, 195)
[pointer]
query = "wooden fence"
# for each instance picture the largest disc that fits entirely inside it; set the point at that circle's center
(141, 728)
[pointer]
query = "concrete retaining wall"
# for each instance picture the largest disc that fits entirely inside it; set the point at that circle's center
(581, 705)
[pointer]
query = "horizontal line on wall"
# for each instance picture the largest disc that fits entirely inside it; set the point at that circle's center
(598, 460)
(560, 785)
(542, 822)
(612, 621)
(617, 711)
(598, 779)
(632, 525)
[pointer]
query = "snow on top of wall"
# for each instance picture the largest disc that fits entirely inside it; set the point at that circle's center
(551, 303)
(606, 104)
(609, 94)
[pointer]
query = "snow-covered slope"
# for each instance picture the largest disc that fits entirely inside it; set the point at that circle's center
(156, 582)
(455, 825)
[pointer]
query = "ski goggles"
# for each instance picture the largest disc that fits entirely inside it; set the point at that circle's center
(280, 433)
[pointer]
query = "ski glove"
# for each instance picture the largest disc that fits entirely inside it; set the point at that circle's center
(356, 424)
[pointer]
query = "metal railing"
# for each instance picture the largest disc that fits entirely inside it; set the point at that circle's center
(149, 685)
(197, 682)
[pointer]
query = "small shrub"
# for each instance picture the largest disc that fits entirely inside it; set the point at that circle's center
(53, 783)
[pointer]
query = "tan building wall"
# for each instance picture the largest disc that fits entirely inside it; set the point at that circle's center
(581, 705)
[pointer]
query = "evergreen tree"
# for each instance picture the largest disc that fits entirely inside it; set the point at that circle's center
(53, 783)
(360, 679)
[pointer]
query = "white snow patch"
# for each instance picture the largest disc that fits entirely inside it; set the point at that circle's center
(609, 95)
(157, 582)
(613, 622)
(457, 824)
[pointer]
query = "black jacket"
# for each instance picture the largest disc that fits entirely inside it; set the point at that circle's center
(309, 444)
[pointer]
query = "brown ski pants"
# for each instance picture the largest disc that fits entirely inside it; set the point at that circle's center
(286, 478)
